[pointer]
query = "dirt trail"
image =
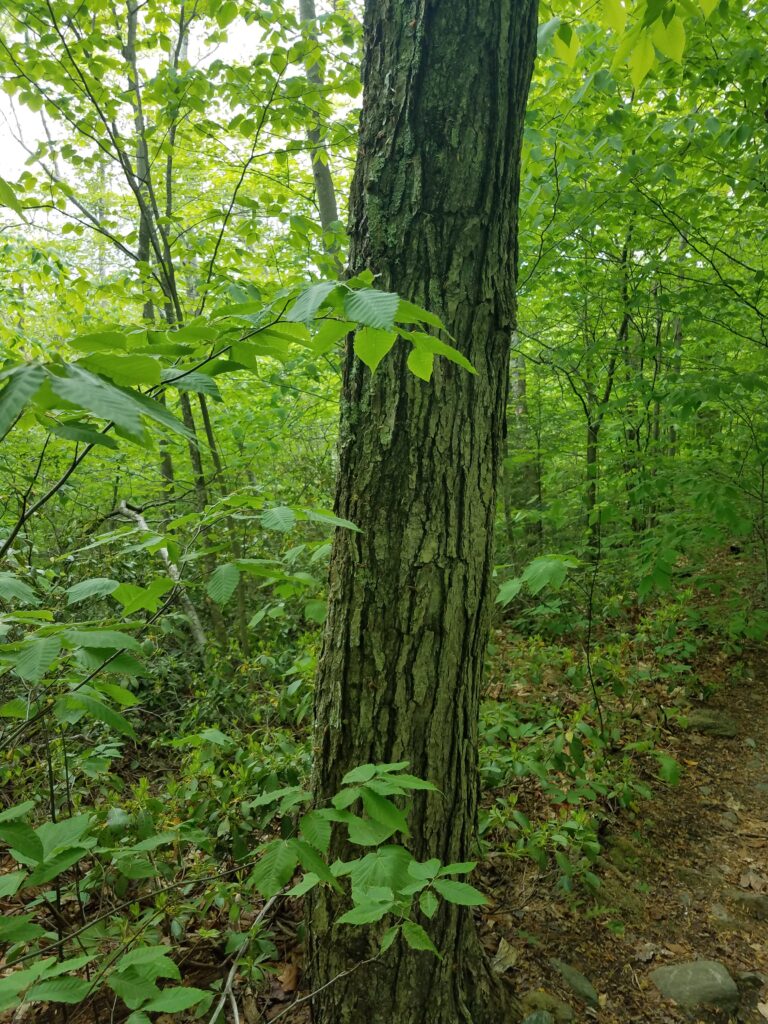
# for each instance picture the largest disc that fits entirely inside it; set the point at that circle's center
(691, 884)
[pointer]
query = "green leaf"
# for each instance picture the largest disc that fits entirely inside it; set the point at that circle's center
(427, 343)
(363, 773)
(102, 713)
(641, 59)
(24, 384)
(459, 892)
(8, 198)
(372, 344)
(99, 586)
(417, 938)
(669, 769)
(384, 811)
(389, 937)
(60, 990)
(670, 38)
(421, 363)
(108, 639)
(223, 583)
(316, 829)
(194, 381)
(87, 391)
(280, 518)
(329, 519)
(57, 865)
(124, 370)
(309, 301)
(428, 903)
(14, 589)
(410, 313)
(460, 868)
(613, 15)
(328, 335)
(174, 1000)
(307, 883)
(23, 840)
(19, 928)
(275, 868)
(373, 308)
(566, 44)
(366, 913)
(509, 590)
(76, 430)
(36, 656)
(10, 884)
(708, 6)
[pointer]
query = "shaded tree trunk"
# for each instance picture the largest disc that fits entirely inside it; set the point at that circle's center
(434, 213)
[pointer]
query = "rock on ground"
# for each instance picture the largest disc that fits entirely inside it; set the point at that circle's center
(697, 983)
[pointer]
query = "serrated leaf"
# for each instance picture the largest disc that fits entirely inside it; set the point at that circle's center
(428, 903)
(307, 883)
(613, 15)
(24, 384)
(309, 301)
(10, 884)
(123, 370)
(428, 343)
(76, 430)
(363, 773)
(9, 199)
(316, 829)
(641, 59)
(35, 657)
(59, 990)
(459, 868)
(102, 713)
(193, 380)
(421, 363)
(19, 928)
(99, 586)
(417, 938)
(383, 811)
(389, 937)
(708, 6)
(102, 639)
(373, 308)
(281, 518)
(223, 583)
(461, 893)
(371, 344)
(273, 871)
(670, 38)
(14, 589)
(57, 864)
(174, 1000)
(366, 913)
(87, 391)
(410, 313)
(24, 840)
(566, 44)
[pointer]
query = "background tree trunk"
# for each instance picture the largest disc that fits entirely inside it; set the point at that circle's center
(434, 213)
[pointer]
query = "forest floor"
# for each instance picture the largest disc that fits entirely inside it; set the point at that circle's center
(688, 878)
(683, 879)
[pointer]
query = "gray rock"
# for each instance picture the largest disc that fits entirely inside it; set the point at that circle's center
(751, 979)
(582, 986)
(723, 920)
(697, 983)
(540, 1000)
(539, 1017)
(712, 723)
(753, 904)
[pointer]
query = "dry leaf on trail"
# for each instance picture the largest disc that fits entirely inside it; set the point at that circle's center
(751, 879)
(506, 957)
(289, 977)
(762, 1009)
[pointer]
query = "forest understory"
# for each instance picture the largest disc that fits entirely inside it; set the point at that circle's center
(587, 893)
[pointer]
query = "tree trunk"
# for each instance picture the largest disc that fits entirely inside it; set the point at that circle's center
(434, 213)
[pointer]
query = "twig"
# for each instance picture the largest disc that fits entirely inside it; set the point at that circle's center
(227, 992)
(311, 995)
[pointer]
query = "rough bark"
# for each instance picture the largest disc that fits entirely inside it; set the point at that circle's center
(434, 213)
